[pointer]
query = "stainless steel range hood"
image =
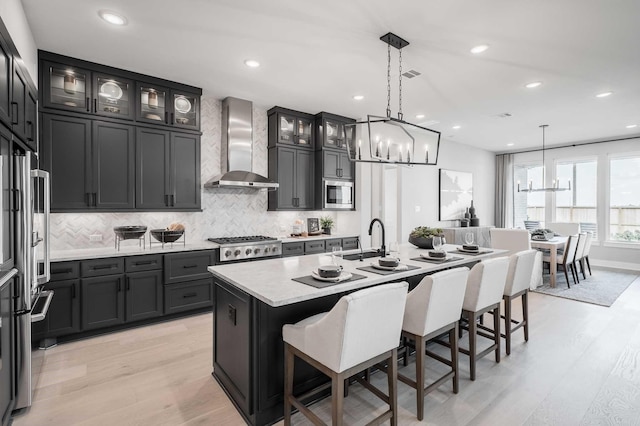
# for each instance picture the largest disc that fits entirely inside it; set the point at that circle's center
(237, 149)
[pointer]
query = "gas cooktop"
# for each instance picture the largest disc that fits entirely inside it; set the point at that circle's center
(242, 240)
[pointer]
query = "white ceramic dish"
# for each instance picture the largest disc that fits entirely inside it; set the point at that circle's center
(182, 104)
(111, 90)
(468, 251)
(437, 259)
(400, 267)
(343, 277)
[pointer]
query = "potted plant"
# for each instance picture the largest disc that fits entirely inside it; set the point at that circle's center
(326, 222)
(422, 236)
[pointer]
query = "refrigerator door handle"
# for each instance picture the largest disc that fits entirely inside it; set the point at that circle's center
(46, 275)
(37, 317)
(12, 272)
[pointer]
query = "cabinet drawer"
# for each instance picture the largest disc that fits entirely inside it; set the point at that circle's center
(99, 267)
(143, 263)
(311, 247)
(349, 243)
(187, 266)
(186, 296)
(292, 249)
(65, 271)
(329, 244)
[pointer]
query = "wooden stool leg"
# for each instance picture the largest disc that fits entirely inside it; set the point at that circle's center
(472, 344)
(453, 340)
(288, 382)
(420, 355)
(507, 324)
(392, 378)
(337, 398)
(525, 314)
(496, 330)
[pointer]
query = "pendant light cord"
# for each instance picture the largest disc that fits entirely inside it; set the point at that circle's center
(400, 115)
(389, 80)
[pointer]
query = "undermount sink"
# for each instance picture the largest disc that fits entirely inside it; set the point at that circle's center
(365, 254)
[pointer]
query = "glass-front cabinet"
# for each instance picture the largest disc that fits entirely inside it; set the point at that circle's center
(113, 96)
(67, 87)
(332, 131)
(294, 130)
(161, 105)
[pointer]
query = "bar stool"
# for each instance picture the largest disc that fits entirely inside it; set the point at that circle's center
(361, 330)
(485, 287)
(521, 267)
(433, 308)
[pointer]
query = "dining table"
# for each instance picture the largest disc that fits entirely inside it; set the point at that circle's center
(552, 245)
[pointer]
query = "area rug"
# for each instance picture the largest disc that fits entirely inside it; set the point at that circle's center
(601, 288)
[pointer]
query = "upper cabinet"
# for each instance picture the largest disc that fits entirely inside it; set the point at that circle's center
(288, 127)
(332, 132)
(178, 108)
(5, 83)
(74, 85)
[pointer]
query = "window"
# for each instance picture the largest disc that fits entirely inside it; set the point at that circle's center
(624, 199)
(528, 205)
(578, 205)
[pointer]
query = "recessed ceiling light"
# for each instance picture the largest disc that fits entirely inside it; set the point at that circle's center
(479, 49)
(252, 63)
(533, 84)
(112, 17)
(632, 126)
(358, 97)
(419, 116)
(510, 144)
(603, 94)
(456, 127)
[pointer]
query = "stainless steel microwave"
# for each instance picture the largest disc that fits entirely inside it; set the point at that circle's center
(338, 194)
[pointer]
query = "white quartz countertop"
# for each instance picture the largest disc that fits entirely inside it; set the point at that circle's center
(128, 248)
(315, 237)
(271, 281)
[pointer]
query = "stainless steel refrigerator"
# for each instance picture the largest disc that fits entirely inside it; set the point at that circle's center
(25, 224)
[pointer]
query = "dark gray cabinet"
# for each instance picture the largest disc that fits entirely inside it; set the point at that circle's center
(102, 301)
(6, 59)
(293, 169)
(331, 131)
(92, 163)
(336, 165)
(6, 212)
(168, 170)
(288, 127)
(65, 87)
(63, 316)
(144, 295)
(168, 106)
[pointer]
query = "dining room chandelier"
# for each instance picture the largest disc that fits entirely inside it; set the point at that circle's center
(555, 186)
(393, 140)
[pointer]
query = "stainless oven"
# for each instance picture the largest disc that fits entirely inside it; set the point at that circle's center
(338, 194)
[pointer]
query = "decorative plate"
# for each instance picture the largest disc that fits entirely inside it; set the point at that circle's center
(343, 277)
(400, 267)
(285, 125)
(111, 90)
(182, 104)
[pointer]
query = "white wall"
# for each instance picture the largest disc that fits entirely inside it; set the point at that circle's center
(602, 252)
(14, 19)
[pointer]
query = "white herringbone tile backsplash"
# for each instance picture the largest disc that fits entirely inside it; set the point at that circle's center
(226, 212)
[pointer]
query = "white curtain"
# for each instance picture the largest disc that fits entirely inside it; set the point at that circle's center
(504, 191)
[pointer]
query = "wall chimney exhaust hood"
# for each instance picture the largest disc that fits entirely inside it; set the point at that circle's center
(237, 149)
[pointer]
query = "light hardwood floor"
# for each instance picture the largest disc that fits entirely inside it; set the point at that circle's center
(581, 366)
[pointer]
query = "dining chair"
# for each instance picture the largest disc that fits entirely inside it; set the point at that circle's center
(567, 258)
(484, 290)
(361, 330)
(531, 225)
(587, 249)
(517, 240)
(579, 258)
(433, 308)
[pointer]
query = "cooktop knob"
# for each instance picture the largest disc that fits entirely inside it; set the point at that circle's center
(237, 252)
(256, 251)
(274, 249)
(227, 253)
(247, 251)
(266, 249)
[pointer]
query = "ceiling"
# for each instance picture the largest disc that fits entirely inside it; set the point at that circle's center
(316, 55)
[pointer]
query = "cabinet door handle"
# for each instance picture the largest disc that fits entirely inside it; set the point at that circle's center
(188, 295)
(62, 271)
(166, 200)
(87, 197)
(148, 262)
(128, 284)
(100, 267)
(166, 117)
(172, 119)
(119, 286)
(173, 200)
(95, 199)
(73, 291)
(14, 112)
(30, 125)
(190, 266)
(87, 103)
(95, 105)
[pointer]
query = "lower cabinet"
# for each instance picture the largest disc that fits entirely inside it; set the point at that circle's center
(143, 295)
(188, 295)
(63, 316)
(102, 301)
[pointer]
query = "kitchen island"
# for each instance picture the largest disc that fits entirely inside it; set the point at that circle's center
(254, 300)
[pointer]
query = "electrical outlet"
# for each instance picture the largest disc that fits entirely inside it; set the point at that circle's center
(231, 312)
(95, 237)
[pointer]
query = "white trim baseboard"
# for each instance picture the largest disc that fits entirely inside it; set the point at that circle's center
(617, 265)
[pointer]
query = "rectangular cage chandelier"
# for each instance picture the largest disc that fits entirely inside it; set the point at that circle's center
(393, 140)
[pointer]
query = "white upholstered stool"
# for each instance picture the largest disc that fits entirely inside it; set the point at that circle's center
(521, 267)
(433, 308)
(361, 330)
(485, 287)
